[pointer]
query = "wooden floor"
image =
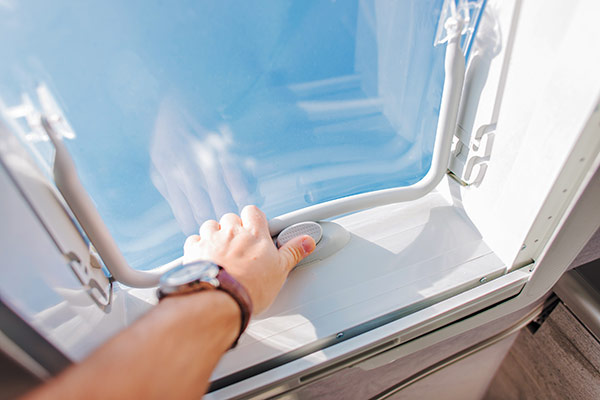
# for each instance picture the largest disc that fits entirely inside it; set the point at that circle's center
(560, 361)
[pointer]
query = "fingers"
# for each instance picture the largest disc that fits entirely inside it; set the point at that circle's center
(208, 228)
(254, 220)
(251, 218)
(190, 241)
(230, 221)
(295, 250)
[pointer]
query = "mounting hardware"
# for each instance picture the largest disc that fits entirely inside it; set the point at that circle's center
(101, 296)
(470, 155)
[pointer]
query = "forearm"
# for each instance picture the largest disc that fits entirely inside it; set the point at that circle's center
(168, 353)
(172, 351)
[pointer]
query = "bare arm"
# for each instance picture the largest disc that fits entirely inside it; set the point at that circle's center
(172, 351)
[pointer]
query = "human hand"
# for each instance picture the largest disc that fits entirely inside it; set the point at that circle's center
(243, 246)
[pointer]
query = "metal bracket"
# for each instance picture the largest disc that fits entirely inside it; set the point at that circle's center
(86, 265)
(470, 155)
(101, 296)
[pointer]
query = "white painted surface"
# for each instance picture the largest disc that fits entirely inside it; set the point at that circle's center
(552, 86)
(401, 256)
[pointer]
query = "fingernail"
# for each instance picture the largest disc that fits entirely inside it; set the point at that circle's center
(308, 245)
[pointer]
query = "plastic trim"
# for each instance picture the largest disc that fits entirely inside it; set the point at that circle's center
(432, 316)
(459, 356)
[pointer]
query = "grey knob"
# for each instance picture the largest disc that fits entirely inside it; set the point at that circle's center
(310, 228)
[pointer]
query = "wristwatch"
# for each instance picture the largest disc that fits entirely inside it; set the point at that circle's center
(206, 275)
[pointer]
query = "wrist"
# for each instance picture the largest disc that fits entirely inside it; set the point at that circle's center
(204, 275)
(213, 308)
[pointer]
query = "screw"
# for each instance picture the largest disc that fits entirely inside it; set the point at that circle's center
(483, 280)
(339, 335)
(524, 246)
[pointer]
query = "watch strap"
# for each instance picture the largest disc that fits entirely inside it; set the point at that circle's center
(228, 284)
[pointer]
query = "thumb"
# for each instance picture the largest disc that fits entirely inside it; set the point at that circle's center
(295, 250)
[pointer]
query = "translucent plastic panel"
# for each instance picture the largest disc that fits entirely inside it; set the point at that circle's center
(183, 111)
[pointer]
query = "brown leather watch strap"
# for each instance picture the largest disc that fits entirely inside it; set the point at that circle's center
(228, 284)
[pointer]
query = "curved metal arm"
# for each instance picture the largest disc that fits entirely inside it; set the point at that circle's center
(68, 183)
(453, 84)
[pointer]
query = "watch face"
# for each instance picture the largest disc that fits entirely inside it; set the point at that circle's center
(187, 273)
